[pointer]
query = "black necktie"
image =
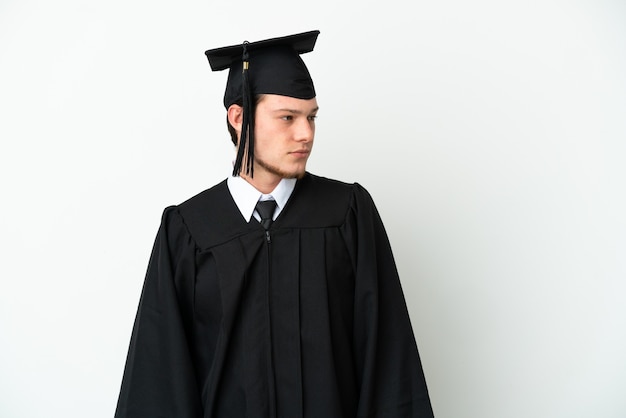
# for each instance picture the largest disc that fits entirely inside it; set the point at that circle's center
(266, 211)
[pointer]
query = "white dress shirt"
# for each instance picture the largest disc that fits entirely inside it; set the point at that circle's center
(246, 196)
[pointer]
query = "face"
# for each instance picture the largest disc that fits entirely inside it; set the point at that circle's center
(284, 131)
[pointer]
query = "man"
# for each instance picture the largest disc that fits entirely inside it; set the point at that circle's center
(273, 293)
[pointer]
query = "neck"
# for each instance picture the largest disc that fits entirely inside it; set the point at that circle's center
(264, 184)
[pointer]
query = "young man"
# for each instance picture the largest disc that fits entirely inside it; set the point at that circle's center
(273, 293)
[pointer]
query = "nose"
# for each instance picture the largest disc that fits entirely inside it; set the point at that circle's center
(304, 130)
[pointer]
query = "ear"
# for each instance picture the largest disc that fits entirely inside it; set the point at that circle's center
(235, 117)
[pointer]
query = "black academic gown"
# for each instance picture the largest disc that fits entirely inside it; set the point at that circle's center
(307, 320)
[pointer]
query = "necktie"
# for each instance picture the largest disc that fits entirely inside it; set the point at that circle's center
(266, 211)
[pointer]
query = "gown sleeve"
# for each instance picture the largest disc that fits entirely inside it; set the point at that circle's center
(389, 371)
(159, 378)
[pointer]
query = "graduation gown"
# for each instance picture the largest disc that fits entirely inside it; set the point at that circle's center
(307, 319)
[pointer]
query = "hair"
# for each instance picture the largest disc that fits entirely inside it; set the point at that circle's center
(231, 130)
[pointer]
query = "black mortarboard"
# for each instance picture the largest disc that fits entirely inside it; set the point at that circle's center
(272, 66)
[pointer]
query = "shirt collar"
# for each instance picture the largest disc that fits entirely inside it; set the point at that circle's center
(246, 196)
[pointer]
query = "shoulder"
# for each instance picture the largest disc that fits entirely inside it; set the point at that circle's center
(315, 181)
(209, 217)
(336, 190)
(320, 202)
(206, 199)
(318, 186)
(196, 204)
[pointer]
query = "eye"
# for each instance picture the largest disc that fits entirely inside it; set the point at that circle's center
(287, 118)
(312, 118)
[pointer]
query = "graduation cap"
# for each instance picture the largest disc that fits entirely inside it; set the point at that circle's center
(271, 66)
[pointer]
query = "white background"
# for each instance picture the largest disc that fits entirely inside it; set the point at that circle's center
(491, 134)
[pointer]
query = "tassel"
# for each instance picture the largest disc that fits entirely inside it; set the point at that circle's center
(246, 141)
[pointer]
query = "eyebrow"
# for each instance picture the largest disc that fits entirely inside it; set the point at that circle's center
(297, 112)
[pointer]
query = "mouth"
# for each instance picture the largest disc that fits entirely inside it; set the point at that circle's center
(300, 153)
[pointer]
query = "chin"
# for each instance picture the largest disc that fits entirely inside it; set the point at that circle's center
(291, 175)
(295, 173)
